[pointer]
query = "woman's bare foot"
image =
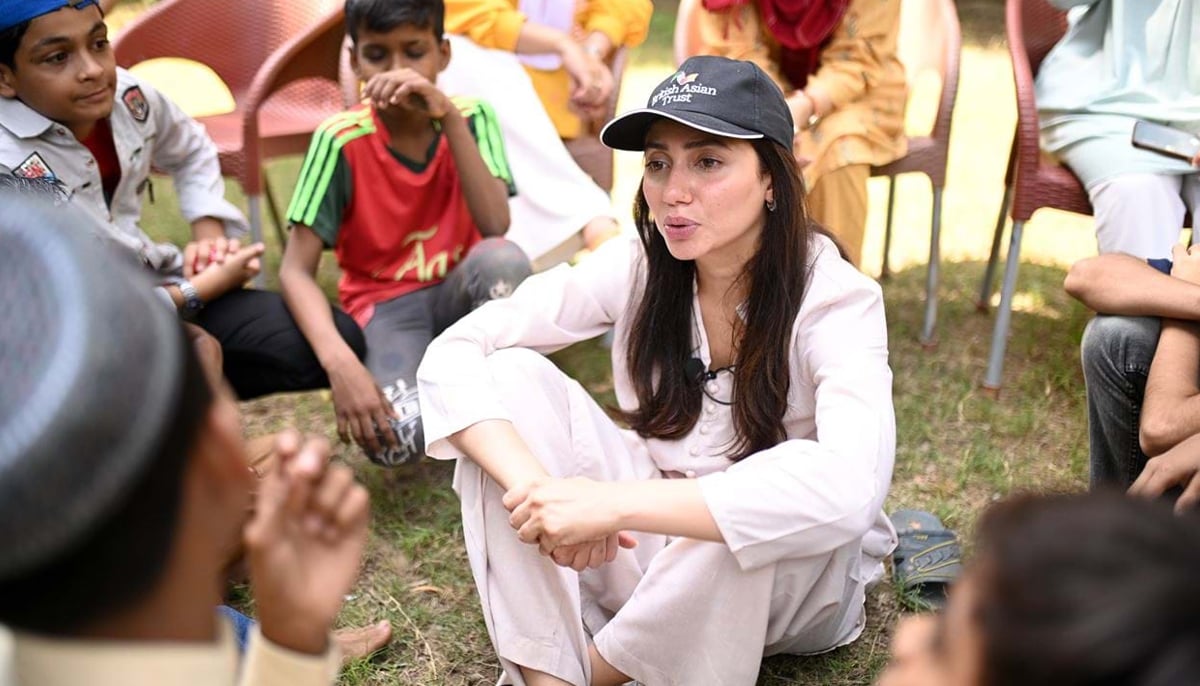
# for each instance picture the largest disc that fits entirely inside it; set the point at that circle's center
(356, 643)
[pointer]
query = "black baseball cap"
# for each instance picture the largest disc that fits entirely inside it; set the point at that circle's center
(731, 98)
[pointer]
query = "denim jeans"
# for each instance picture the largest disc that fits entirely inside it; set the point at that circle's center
(1116, 354)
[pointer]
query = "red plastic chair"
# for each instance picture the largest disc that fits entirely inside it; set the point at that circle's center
(279, 60)
(930, 40)
(1034, 180)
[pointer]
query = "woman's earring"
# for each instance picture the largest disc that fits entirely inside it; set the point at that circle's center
(770, 204)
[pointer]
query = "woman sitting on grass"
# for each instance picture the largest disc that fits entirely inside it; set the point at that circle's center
(740, 514)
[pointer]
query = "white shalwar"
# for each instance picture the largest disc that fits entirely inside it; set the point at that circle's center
(555, 197)
(802, 522)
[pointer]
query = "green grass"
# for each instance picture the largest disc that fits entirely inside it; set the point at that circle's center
(957, 448)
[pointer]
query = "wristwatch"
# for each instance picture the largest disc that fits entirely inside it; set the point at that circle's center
(192, 304)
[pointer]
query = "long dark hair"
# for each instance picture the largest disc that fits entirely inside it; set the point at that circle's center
(1088, 590)
(660, 340)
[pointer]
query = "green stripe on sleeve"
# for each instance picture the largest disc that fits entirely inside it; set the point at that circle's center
(322, 159)
(484, 125)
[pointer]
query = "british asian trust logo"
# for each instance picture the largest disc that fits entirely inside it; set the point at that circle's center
(681, 87)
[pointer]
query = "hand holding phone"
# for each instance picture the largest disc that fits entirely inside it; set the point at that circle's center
(1166, 140)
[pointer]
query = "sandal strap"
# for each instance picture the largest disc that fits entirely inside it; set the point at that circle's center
(939, 563)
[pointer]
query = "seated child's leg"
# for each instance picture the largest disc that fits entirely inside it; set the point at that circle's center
(493, 269)
(397, 335)
(264, 350)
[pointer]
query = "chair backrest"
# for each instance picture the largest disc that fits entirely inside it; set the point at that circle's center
(1032, 27)
(930, 41)
(1042, 26)
(233, 37)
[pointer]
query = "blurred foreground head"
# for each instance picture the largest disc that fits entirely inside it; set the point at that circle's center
(1095, 589)
(102, 399)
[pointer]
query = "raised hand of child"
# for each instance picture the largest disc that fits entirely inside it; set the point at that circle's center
(405, 88)
(304, 543)
(360, 406)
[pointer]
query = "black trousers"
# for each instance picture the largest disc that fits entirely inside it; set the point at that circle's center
(265, 352)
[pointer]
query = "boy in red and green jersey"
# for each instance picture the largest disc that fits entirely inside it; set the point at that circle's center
(411, 192)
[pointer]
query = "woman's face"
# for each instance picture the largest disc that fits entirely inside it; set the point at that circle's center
(940, 650)
(707, 193)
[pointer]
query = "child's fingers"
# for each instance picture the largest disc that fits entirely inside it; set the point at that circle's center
(270, 501)
(217, 250)
(388, 408)
(384, 425)
(303, 472)
(354, 509)
(626, 540)
(1190, 496)
(243, 256)
(189, 260)
(364, 432)
(329, 491)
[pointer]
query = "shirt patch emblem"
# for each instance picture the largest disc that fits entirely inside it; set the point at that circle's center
(34, 167)
(135, 101)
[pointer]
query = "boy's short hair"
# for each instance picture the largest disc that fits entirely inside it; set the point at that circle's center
(380, 16)
(10, 40)
(1088, 589)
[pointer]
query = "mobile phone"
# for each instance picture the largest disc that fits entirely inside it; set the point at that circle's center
(1165, 140)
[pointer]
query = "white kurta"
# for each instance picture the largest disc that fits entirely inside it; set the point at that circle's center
(803, 523)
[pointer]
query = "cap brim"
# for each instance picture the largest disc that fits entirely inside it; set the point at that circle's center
(628, 131)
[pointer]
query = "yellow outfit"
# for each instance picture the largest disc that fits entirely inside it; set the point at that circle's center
(496, 24)
(864, 80)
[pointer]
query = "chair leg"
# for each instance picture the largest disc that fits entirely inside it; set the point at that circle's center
(985, 291)
(928, 333)
(1004, 315)
(885, 271)
(273, 208)
(254, 209)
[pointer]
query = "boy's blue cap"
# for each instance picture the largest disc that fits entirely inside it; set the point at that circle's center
(13, 12)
